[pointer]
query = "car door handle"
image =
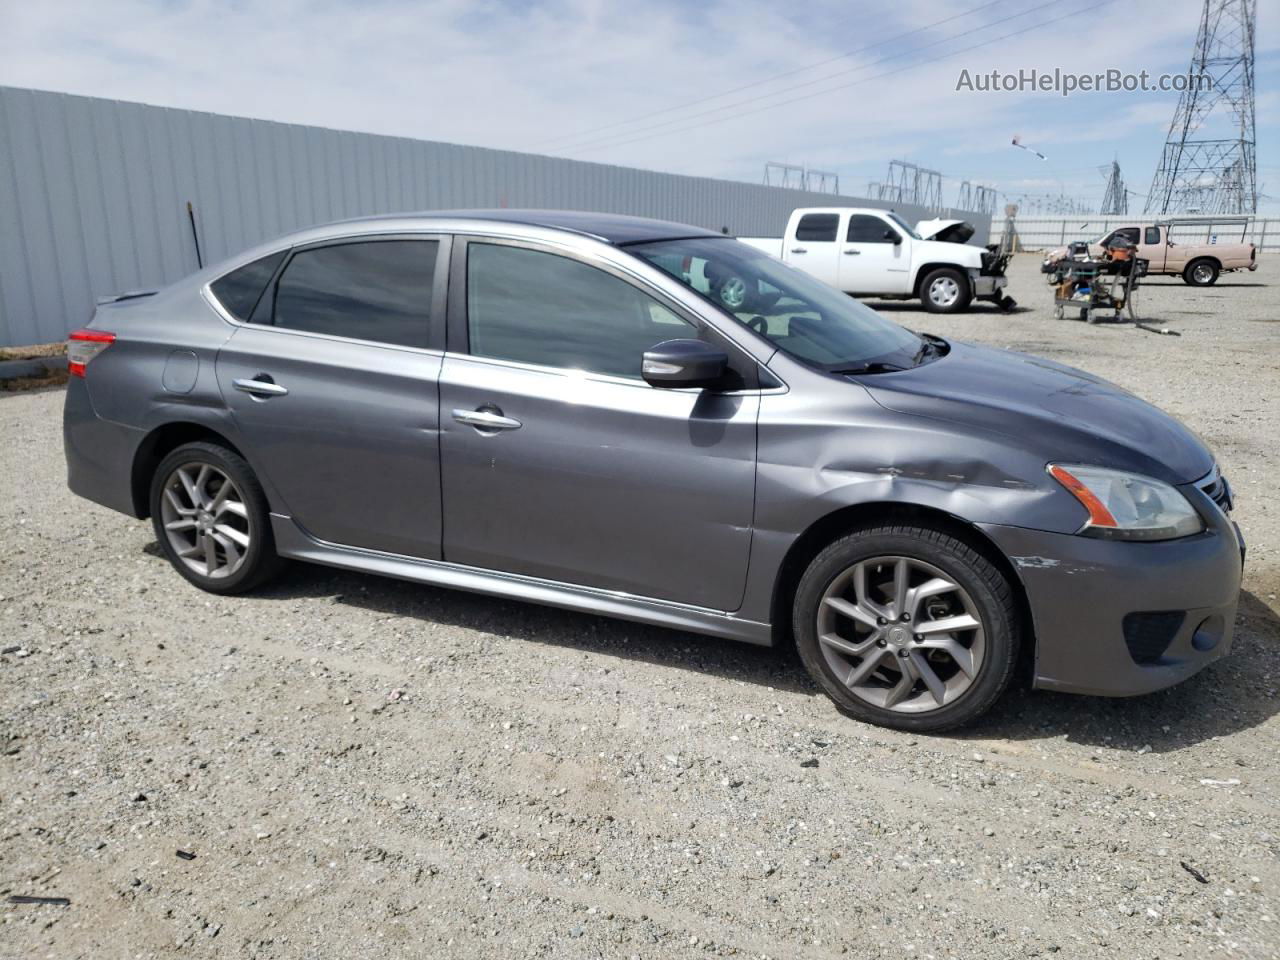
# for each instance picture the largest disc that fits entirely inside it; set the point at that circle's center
(260, 388)
(799, 250)
(853, 253)
(486, 420)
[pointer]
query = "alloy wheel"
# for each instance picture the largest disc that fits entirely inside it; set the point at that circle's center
(205, 520)
(944, 291)
(733, 293)
(1202, 273)
(901, 634)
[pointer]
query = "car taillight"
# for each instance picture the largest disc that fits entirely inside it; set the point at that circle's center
(83, 346)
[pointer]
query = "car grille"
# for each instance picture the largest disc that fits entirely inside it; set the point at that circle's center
(1148, 635)
(1215, 487)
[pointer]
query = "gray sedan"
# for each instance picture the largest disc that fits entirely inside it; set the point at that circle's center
(652, 421)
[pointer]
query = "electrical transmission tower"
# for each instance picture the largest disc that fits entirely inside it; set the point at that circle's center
(801, 178)
(976, 197)
(821, 181)
(1201, 175)
(908, 183)
(1116, 199)
(784, 175)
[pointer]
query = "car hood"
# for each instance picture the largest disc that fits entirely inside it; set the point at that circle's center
(1063, 413)
(946, 231)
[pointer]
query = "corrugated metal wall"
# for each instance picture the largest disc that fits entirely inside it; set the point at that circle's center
(93, 195)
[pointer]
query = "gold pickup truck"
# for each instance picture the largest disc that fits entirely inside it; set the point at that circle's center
(1199, 264)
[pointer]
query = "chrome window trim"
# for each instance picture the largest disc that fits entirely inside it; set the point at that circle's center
(424, 236)
(308, 334)
(582, 245)
(653, 282)
(573, 373)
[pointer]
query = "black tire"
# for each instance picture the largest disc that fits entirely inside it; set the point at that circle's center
(1201, 272)
(964, 292)
(987, 587)
(260, 561)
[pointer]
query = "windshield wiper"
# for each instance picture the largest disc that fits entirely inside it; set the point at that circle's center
(929, 345)
(876, 366)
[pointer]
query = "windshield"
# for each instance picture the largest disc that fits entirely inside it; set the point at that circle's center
(903, 224)
(803, 316)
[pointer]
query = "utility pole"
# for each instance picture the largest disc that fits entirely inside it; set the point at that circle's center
(1219, 175)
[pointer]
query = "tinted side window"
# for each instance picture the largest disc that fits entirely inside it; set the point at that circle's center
(1127, 233)
(372, 290)
(545, 309)
(1153, 235)
(239, 290)
(818, 227)
(864, 228)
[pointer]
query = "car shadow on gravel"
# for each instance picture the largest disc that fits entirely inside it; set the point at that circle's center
(530, 622)
(1239, 692)
(912, 306)
(1231, 695)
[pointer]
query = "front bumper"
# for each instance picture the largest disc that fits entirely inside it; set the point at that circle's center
(985, 286)
(1081, 589)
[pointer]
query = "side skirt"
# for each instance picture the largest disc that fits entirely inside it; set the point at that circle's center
(296, 544)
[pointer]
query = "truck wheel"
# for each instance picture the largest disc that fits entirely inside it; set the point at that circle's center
(945, 290)
(907, 627)
(1201, 273)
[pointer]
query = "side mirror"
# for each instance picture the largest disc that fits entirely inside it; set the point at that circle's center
(684, 363)
(893, 237)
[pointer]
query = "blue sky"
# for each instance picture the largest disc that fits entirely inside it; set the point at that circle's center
(715, 88)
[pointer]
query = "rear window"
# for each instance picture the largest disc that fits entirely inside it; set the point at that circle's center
(239, 290)
(818, 227)
(1153, 235)
(376, 290)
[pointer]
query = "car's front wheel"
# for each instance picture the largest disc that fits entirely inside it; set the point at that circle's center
(211, 518)
(907, 627)
(945, 290)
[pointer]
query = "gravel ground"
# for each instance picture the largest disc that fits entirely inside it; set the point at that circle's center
(363, 767)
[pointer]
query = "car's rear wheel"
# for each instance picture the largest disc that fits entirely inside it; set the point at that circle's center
(211, 519)
(945, 291)
(1201, 273)
(907, 627)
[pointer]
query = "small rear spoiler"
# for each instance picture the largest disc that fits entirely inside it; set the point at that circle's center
(127, 295)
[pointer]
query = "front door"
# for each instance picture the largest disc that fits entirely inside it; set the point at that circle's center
(870, 261)
(334, 388)
(559, 462)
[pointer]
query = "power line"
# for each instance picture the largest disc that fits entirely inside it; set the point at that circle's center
(911, 66)
(809, 83)
(778, 76)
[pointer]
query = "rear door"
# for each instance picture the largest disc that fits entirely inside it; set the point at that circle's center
(559, 461)
(815, 248)
(870, 262)
(333, 384)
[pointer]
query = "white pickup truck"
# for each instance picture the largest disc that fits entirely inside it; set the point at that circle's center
(874, 253)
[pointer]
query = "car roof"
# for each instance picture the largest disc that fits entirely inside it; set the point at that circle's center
(614, 228)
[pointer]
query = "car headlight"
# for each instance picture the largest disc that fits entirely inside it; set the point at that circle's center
(1125, 506)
